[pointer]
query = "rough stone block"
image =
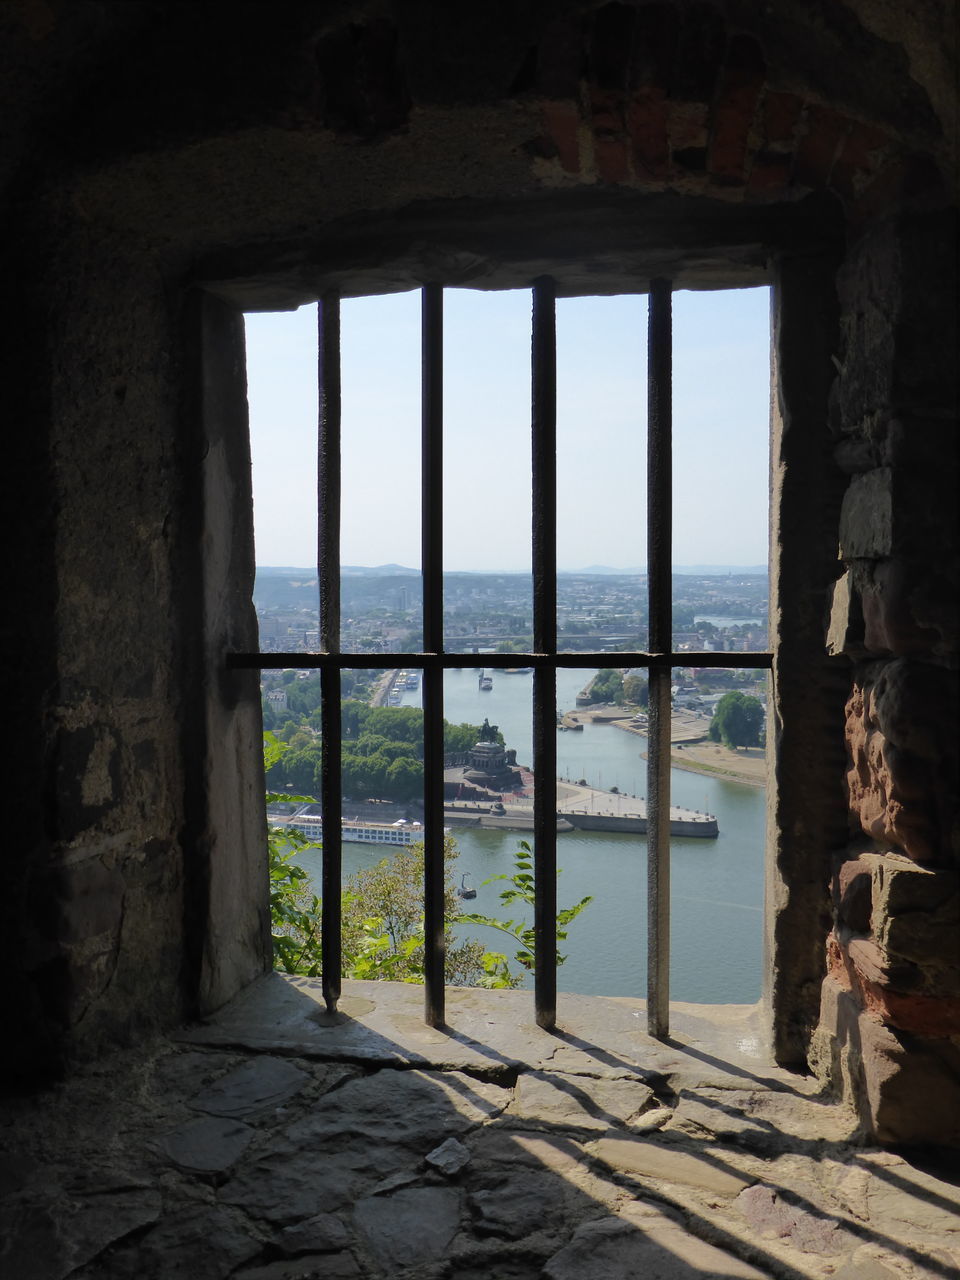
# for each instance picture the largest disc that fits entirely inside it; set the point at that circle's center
(900, 886)
(845, 628)
(91, 900)
(853, 894)
(911, 1087)
(866, 516)
(449, 1158)
(896, 793)
(905, 1088)
(890, 623)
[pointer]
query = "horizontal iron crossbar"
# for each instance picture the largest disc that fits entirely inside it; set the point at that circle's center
(758, 661)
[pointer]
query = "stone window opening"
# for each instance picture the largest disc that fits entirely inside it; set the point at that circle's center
(659, 658)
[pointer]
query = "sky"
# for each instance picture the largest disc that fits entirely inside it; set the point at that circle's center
(720, 418)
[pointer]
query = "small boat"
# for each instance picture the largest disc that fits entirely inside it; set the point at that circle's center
(486, 682)
(465, 891)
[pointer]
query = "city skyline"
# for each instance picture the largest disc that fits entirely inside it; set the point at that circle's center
(721, 407)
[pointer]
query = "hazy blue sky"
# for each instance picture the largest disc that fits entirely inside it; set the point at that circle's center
(721, 410)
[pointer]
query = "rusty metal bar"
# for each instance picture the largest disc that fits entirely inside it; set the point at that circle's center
(544, 459)
(659, 583)
(328, 573)
(431, 527)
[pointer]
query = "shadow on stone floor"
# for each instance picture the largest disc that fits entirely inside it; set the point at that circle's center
(273, 1141)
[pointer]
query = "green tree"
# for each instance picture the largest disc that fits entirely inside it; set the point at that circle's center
(461, 737)
(737, 721)
(636, 691)
(404, 778)
(607, 686)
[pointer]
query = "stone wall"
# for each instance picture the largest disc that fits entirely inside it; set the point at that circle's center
(890, 1018)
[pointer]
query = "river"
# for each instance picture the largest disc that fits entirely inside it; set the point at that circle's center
(716, 885)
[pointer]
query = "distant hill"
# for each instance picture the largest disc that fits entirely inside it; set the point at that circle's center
(378, 571)
(398, 570)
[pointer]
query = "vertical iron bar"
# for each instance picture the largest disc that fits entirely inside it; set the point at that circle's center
(659, 588)
(431, 527)
(544, 451)
(328, 572)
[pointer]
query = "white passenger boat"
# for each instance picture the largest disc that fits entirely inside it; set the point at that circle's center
(353, 830)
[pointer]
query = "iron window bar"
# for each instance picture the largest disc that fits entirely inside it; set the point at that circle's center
(659, 659)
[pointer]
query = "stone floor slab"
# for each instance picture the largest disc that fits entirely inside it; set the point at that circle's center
(418, 1109)
(613, 1249)
(251, 1089)
(552, 1099)
(410, 1227)
(209, 1145)
(709, 1169)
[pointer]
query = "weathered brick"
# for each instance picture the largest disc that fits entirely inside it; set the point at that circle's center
(769, 173)
(687, 124)
(818, 147)
(740, 86)
(607, 111)
(612, 159)
(647, 127)
(779, 118)
(561, 124)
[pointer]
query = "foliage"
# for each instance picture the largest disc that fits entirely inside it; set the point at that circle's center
(382, 755)
(461, 737)
(607, 686)
(382, 912)
(737, 721)
(522, 890)
(636, 691)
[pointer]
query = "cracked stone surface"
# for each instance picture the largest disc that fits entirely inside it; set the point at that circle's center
(274, 1142)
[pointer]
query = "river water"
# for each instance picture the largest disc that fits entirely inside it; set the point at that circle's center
(716, 885)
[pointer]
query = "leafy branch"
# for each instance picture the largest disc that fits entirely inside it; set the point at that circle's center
(523, 890)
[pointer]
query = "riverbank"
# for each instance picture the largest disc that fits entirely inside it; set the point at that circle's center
(692, 751)
(748, 765)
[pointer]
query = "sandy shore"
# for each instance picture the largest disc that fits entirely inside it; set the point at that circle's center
(692, 750)
(747, 765)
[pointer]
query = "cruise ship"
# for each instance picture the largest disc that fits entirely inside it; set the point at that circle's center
(353, 830)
